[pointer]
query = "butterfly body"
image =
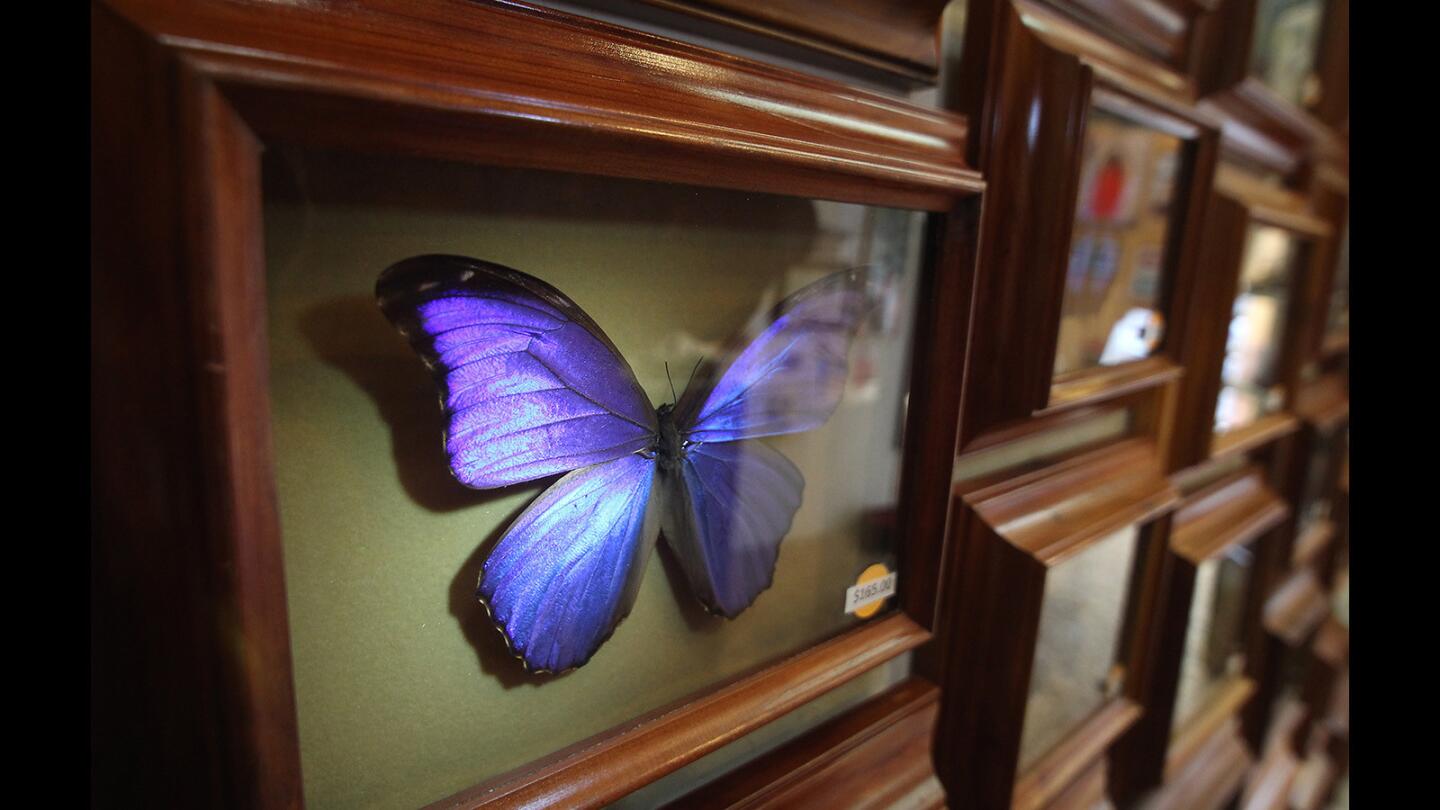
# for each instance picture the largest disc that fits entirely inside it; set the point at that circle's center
(670, 443)
(532, 387)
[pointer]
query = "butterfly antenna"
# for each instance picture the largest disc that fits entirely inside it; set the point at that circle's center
(673, 396)
(693, 370)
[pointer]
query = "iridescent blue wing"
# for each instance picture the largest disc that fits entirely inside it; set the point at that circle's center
(791, 376)
(727, 507)
(729, 503)
(568, 569)
(530, 384)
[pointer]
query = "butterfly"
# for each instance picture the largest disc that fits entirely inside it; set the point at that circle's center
(532, 387)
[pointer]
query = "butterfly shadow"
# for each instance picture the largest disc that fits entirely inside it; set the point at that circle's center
(491, 651)
(352, 335)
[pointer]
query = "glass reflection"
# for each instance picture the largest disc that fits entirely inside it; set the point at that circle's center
(1214, 646)
(1075, 669)
(1111, 311)
(1285, 44)
(1250, 375)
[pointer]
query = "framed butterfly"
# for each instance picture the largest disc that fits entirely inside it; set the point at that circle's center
(532, 387)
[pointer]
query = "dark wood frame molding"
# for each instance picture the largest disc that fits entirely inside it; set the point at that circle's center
(1008, 535)
(1237, 204)
(1043, 76)
(873, 757)
(1240, 508)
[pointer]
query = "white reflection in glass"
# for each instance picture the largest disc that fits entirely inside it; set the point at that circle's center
(1110, 312)
(1250, 374)
(1287, 37)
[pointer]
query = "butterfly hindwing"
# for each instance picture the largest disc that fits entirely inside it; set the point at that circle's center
(727, 508)
(568, 569)
(791, 376)
(529, 383)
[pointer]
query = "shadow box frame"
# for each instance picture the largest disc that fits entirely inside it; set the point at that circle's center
(1200, 762)
(1044, 75)
(1261, 127)
(1009, 531)
(1170, 33)
(1296, 610)
(190, 633)
(1238, 202)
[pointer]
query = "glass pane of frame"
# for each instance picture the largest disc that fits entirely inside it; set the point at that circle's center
(406, 691)
(1337, 322)
(1283, 51)
(1214, 643)
(1111, 311)
(1081, 617)
(1250, 376)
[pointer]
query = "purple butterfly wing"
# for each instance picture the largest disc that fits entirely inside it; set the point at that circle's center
(530, 384)
(568, 569)
(791, 376)
(729, 502)
(727, 507)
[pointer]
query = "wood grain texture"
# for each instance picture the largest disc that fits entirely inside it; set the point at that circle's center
(1066, 767)
(1333, 66)
(1268, 785)
(901, 34)
(1087, 792)
(1238, 508)
(515, 84)
(1111, 60)
(1219, 718)
(1007, 536)
(1202, 346)
(875, 757)
(1212, 774)
(1056, 512)
(1035, 116)
(600, 770)
(186, 531)
(1235, 509)
(1157, 30)
(932, 416)
(1296, 608)
(1038, 95)
(1324, 403)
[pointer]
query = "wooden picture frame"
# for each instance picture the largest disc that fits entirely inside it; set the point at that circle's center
(1262, 129)
(1046, 74)
(1199, 763)
(1239, 203)
(189, 599)
(1008, 535)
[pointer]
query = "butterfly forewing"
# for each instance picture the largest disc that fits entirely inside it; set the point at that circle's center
(530, 385)
(791, 376)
